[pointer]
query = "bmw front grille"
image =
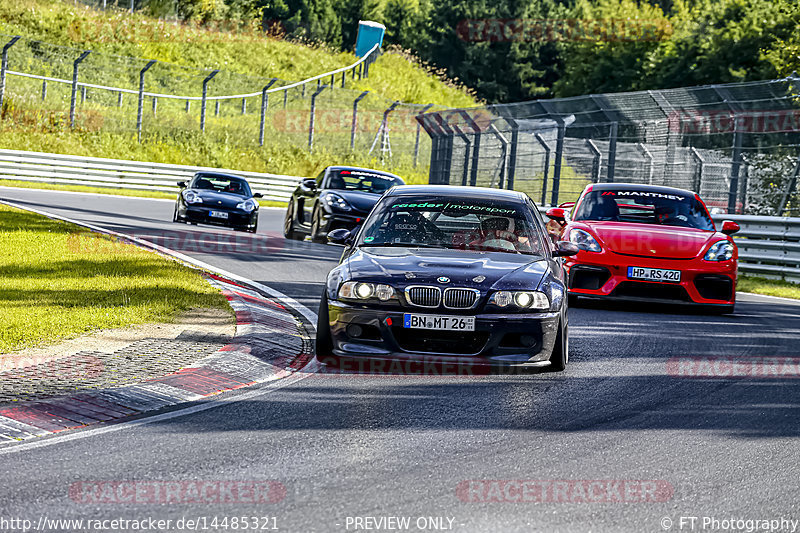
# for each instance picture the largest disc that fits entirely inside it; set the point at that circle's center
(424, 296)
(460, 298)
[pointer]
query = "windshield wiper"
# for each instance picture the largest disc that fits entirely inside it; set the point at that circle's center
(401, 245)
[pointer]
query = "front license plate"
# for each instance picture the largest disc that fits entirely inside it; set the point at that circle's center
(439, 322)
(218, 214)
(654, 274)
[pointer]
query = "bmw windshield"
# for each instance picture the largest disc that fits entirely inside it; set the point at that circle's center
(646, 207)
(473, 225)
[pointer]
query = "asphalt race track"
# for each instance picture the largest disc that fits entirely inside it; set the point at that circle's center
(344, 446)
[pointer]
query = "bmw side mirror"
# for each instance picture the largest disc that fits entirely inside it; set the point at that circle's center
(559, 214)
(258, 195)
(565, 248)
(729, 227)
(309, 183)
(182, 184)
(339, 236)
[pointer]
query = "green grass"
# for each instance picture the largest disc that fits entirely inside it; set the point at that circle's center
(769, 287)
(58, 282)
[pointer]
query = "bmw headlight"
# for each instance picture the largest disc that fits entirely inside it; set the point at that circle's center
(336, 202)
(584, 240)
(533, 300)
(248, 205)
(357, 290)
(192, 197)
(721, 251)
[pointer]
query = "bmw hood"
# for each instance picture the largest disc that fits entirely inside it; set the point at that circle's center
(216, 199)
(359, 200)
(401, 267)
(648, 240)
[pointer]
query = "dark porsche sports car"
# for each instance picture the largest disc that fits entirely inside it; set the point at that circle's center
(220, 199)
(648, 243)
(461, 275)
(340, 197)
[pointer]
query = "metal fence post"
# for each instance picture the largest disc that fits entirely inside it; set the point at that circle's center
(512, 156)
(44, 90)
(562, 132)
(264, 105)
(83, 95)
(612, 151)
(244, 106)
(546, 147)
(188, 106)
(736, 164)
(205, 96)
(597, 160)
(501, 183)
(141, 99)
(354, 123)
(74, 97)
(311, 120)
(4, 67)
(476, 150)
(119, 99)
(155, 105)
(344, 75)
(467, 145)
(285, 97)
(416, 141)
(698, 173)
(643, 148)
(790, 188)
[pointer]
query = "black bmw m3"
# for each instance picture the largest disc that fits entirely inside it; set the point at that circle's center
(463, 275)
(219, 199)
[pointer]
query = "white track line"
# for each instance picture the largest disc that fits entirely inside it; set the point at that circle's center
(278, 384)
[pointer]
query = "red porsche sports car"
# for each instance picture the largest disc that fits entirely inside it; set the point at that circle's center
(644, 242)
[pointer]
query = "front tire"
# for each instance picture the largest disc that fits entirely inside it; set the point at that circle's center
(288, 224)
(323, 345)
(315, 222)
(560, 355)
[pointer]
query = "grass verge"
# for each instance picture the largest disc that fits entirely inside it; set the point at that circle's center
(58, 281)
(769, 287)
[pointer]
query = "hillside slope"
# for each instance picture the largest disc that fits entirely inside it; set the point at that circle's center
(242, 50)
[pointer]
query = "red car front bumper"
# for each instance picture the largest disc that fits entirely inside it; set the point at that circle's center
(605, 275)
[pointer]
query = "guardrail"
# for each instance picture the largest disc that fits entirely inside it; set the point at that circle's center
(768, 246)
(40, 167)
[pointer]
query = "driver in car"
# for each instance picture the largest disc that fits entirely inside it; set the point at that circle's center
(498, 233)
